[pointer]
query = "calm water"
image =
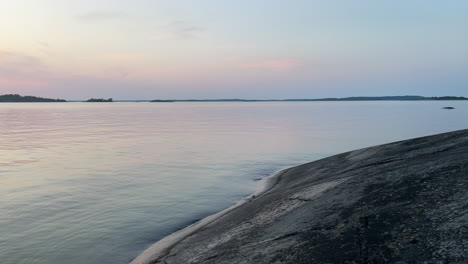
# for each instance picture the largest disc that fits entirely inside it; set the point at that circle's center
(98, 183)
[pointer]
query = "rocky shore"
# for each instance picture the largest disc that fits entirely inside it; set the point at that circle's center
(404, 202)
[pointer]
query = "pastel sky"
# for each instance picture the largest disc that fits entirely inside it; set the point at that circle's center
(147, 49)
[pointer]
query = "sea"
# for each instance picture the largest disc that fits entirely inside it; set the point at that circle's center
(89, 183)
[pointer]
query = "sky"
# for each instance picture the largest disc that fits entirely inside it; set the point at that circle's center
(205, 49)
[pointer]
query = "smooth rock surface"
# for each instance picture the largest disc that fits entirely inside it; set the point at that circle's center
(404, 202)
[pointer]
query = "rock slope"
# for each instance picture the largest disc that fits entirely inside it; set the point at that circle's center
(404, 202)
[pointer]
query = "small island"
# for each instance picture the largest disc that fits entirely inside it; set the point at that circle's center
(161, 101)
(99, 100)
(16, 98)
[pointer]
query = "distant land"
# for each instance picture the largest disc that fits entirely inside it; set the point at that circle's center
(16, 98)
(19, 98)
(161, 101)
(356, 98)
(99, 100)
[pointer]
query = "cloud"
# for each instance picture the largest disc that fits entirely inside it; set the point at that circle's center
(17, 69)
(43, 44)
(44, 47)
(180, 29)
(273, 64)
(122, 57)
(100, 16)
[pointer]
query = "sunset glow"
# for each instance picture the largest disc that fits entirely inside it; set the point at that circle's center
(236, 49)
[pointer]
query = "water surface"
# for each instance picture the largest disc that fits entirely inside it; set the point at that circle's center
(100, 182)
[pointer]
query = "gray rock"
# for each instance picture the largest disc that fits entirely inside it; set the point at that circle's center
(404, 202)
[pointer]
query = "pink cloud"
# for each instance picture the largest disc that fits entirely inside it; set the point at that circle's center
(13, 83)
(122, 57)
(21, 70)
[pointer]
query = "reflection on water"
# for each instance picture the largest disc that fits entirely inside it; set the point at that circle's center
(97, 183)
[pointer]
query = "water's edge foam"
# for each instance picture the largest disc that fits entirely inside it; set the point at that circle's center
(163, 246)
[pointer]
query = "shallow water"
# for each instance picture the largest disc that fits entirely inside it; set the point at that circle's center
(98, 183)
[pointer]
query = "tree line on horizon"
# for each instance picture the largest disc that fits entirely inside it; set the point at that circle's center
(100, 100)
(16, 98)
(28, 99)
(19, 98)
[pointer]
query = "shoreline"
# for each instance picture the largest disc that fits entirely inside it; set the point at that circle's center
(383, 204)
(162, 247)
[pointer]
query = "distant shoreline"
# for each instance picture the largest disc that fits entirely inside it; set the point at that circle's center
(343, 99)
(15, 98)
